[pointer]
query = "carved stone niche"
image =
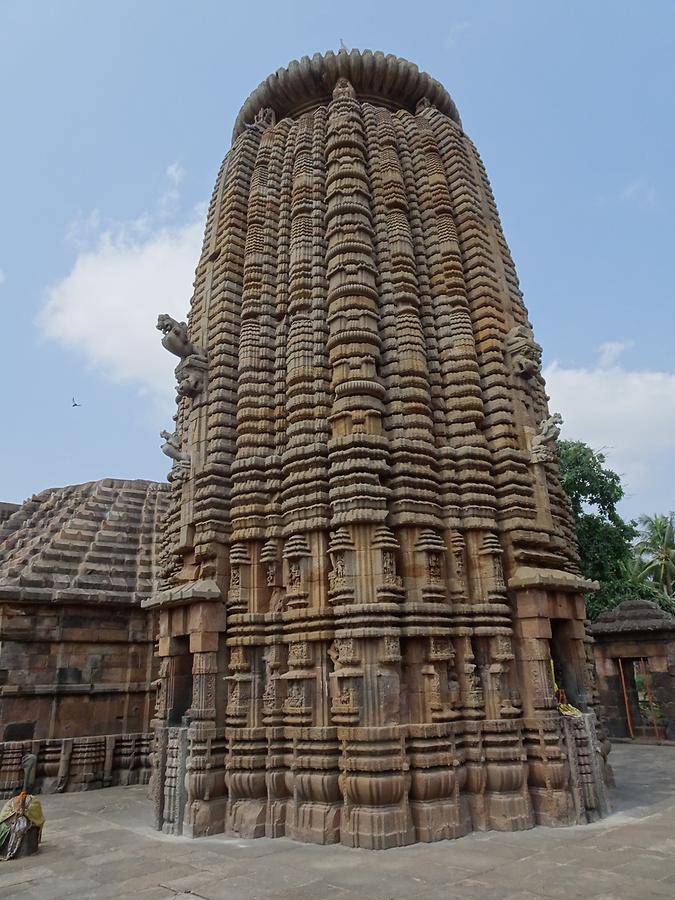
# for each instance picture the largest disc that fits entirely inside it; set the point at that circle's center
(274, 692)
(473, 697)
(491, 550)
(298, 705)
(458, 583)
(297, 559)
(270, 559)
(240, 574)
(441, 685)
(239, 687)
(346, 682)
(523, 351)
(391, 585)
(502, 656)
(300, 682)
(430, 562)
(341, 575)
(390, 653)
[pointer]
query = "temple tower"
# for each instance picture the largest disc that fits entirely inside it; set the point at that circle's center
(368, 558)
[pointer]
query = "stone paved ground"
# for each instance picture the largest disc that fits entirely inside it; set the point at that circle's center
(100, 845)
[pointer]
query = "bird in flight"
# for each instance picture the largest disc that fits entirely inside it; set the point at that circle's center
(76, 404)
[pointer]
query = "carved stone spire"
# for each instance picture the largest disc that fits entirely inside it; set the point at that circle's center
(367, 544)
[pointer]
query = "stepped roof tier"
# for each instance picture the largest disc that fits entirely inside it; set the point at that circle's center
(634, 615)
(7, 510)
(94, 542)
(76, 648)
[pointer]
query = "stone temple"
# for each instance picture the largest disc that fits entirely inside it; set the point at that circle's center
(369, 581)
(77, 667)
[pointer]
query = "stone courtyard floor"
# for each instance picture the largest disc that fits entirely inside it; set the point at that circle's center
(101, 845)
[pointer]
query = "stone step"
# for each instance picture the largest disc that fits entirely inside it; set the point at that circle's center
(118, 535)
(112, 556)
(57, 553)
(103, 581)
(71, 535)
(62, 566)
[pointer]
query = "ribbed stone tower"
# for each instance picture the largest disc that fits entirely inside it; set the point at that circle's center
(369, 559)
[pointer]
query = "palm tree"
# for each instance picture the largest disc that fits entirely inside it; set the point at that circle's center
(655, 549)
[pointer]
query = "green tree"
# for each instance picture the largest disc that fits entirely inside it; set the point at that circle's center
(655, 549)
(605, 539)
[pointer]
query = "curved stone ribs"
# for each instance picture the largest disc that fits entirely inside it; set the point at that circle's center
(362, 495)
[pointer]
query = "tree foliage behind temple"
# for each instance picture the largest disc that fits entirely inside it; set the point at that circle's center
(606, 542)
(655, 554)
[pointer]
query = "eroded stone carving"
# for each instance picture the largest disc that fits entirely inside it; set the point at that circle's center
(524, 351)
(423, 104)
(181, 461)
(175, 337)
(190, 371)
(543, 442)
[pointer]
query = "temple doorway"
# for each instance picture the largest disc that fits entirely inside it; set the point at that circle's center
(564, 659)
(179, 682)
(643, 717)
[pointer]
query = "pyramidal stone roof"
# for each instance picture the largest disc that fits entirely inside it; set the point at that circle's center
(634, 615)
(307, 83)
(94, 542)
(7, 510)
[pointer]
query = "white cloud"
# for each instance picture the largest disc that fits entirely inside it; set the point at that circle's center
(453, 33)
(169, 200)
(124, 275)
(175, 172)
(641, 192)
(84, 229)
(629, 415)
(610, 352)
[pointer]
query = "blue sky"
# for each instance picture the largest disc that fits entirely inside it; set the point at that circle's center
(117, 114)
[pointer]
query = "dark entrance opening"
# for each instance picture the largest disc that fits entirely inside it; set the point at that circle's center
(179, 686)
(19, 731)
(643, 716)
(564, 662)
